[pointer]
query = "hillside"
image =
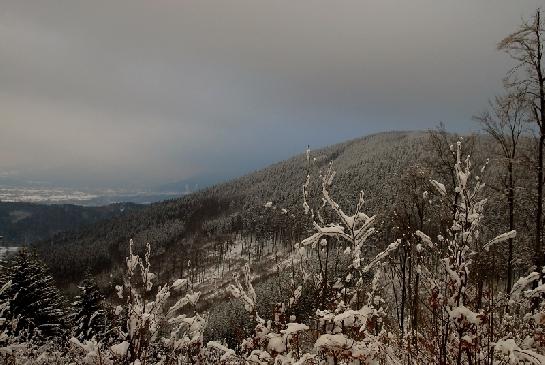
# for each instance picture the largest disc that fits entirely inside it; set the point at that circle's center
(209, 225)
(212, 234)
(25, 223)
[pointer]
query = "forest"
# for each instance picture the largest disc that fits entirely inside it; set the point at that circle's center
(26, 223)
(395, 248)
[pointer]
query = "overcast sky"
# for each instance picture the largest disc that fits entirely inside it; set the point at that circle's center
(111, 93)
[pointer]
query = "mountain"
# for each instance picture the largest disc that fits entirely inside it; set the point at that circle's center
(25, 223)
(193, 183)
(212, 223)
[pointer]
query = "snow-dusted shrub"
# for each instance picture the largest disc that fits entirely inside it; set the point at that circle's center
(155, 331)
(455, 326)
(521, 329)
(276, 340)
(146, 315)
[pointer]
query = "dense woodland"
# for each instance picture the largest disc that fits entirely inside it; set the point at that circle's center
(27, 223)
(396, 248)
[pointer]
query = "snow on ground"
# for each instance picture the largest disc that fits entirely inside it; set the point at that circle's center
(219, 276)
(9, 250)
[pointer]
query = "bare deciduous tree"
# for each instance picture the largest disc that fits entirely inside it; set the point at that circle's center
(504, 122)
(526, 46)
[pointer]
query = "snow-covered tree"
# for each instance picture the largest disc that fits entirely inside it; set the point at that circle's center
(89, 315)
(276, 340)
(34, 301)
(148, 315)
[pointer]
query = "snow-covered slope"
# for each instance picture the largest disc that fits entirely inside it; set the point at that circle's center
(197, 227)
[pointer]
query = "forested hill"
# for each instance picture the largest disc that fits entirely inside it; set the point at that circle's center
(24, 223)
(196, 226)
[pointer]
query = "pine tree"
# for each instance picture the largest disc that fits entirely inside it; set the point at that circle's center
(33, 298)
(88, 312)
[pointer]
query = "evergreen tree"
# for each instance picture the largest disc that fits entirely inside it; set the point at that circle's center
(33, 299)
(88, 312)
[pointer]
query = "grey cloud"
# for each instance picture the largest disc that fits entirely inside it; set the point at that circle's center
(112, 92)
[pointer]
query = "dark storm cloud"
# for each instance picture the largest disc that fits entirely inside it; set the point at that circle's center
(112, 92)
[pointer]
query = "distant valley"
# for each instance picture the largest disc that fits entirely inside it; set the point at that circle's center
(60, 195)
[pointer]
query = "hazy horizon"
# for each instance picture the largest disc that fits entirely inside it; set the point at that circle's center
(139, 94)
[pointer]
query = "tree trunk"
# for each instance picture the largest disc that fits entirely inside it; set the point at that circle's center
(511, 200)
(539, 211)
(540, 79)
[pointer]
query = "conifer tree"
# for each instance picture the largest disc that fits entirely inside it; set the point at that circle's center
(33, 299)
(88, 312)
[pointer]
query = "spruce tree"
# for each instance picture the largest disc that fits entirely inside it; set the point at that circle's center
(88, 312)
(33, 299)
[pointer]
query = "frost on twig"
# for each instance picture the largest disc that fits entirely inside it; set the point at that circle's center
(145, 317)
